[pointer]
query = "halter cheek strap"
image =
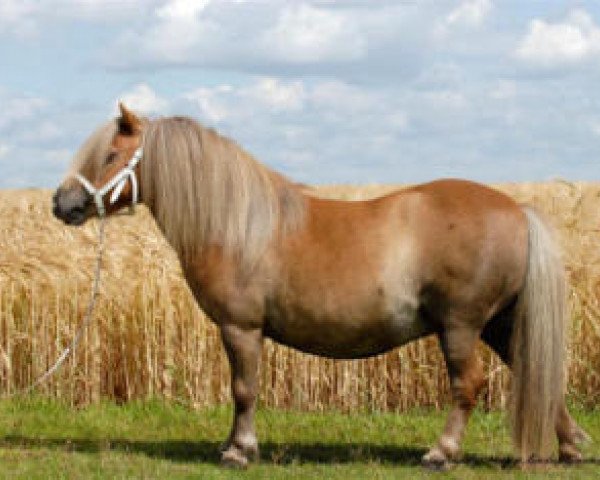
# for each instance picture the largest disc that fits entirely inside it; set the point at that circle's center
(118, 182)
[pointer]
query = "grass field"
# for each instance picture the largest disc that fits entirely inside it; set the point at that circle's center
(40, 439)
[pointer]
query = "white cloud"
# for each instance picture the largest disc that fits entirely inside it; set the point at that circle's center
(276, 38)
(276, 94)
(265, 94)
(211, 32)
(26, 18)
(93, 10)
(15, 17)
(143, 100)
(574, 40)
(269, 95)
(20, 109)
(181, 9)
(180, 28)
(468, 14)
(210, 102)
(292, 123)
(341, 97)
(325, 90)
(308, 34)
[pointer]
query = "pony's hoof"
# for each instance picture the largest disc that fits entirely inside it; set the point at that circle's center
(435, 459)
(234, 458)
(568, 453)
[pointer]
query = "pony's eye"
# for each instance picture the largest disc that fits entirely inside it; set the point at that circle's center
(111, 157)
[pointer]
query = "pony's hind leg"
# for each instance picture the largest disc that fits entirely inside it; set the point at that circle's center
(569, 436)
(466, 379)
(243, 348)
(497, 334)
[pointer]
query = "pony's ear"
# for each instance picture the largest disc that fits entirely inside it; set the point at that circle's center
(128, 122)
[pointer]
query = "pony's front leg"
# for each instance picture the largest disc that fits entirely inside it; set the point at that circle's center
(466, 379)
(243, 346)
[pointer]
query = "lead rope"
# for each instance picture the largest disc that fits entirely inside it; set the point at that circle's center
(86, 319)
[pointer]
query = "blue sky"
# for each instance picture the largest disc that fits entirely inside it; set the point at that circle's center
(348, 91)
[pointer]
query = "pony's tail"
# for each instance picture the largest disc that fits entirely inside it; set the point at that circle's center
(538, 345)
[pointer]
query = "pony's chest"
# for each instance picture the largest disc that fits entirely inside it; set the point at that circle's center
(224, 298)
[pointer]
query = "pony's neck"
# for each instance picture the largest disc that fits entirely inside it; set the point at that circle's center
(205, 191)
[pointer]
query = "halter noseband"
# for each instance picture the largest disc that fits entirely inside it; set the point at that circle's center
(118, 182)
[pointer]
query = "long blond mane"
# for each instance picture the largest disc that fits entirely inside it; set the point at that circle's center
(204, 190)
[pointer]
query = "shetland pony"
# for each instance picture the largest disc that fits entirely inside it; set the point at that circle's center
(342, 279)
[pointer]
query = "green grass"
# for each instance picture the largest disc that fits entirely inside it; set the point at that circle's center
(41, 439)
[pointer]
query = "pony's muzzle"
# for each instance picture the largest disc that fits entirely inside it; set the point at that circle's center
(72, 206)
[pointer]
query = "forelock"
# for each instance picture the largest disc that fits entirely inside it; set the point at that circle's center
(91, 155)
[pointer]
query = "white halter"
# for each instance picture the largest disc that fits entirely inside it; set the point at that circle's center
(118, 182)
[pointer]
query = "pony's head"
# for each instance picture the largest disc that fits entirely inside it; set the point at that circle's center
(103, 176)
(202, 188)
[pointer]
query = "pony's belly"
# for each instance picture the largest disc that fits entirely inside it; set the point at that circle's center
(347, 336)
